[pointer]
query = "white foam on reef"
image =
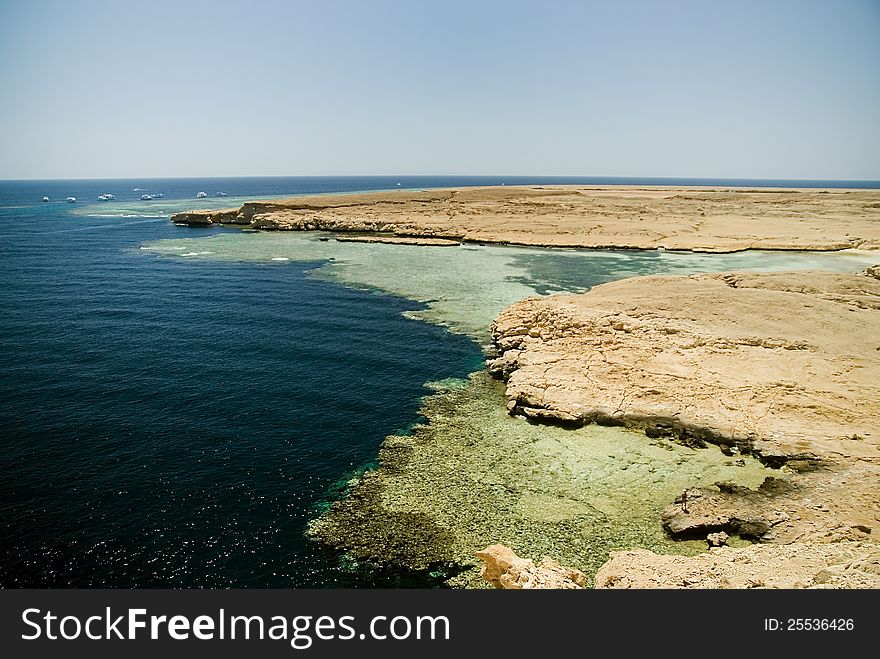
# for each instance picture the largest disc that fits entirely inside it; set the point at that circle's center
(280, 258)
(100, 226)
(164, 207)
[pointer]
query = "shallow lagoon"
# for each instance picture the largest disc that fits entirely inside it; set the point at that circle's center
(473, 476)
(466, 287)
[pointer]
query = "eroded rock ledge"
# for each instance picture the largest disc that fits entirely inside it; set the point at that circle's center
(623, 217)
(781, 365)
(784, 365)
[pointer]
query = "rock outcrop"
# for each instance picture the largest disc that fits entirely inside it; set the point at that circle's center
(504, 569)
(698, 219)
(732, 509)
(397, 240)
(784, 365)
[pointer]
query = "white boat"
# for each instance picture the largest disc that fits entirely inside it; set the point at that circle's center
(45, 198)
(159, 195)
(201, 195)
(106, 197)
(146, 197)
(220, 194)
(71, 200)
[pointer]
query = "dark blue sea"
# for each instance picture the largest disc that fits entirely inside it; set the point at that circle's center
(168, 423)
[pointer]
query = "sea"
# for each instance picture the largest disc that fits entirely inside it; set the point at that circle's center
(167, 422)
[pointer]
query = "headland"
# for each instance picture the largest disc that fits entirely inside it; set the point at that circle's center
(612, 217)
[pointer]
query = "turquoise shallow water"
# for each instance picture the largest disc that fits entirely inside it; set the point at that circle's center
(464, 288)
(175, 404)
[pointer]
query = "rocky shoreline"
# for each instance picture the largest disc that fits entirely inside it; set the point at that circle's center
(472, 475)
(769, 363)
(611, 217)
(780, 367)
(627, 427)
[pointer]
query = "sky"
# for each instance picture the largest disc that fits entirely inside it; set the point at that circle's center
(768, 89)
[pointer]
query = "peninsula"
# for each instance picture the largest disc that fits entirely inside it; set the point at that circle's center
(621, 217)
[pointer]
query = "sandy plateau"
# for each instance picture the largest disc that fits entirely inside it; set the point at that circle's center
(698, 219)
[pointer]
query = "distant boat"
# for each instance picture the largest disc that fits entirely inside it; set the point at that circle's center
(398, 183)
(71, 200)
(220, 194)
(106, 197)
(146, 197)
(201, 195)
(158, 195)
(45, 198)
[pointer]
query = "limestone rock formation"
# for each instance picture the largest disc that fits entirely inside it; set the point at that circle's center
(693, 218)
(504, 569)
(397, 240)
(718, 539)
(734, 509)
(782, 364)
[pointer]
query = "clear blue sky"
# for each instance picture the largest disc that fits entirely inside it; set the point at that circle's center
(769, 89)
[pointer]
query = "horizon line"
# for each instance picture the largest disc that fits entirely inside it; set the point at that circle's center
(405, 176)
